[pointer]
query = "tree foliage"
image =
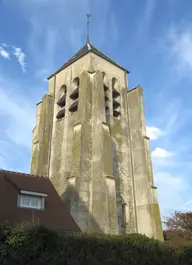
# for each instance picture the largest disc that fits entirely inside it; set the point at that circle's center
(180, 221)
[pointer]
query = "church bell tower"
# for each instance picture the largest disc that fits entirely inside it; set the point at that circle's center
(90, 140)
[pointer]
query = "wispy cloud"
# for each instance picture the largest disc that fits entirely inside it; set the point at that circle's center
(42, 74)
(20, 57)
(167, 121)
(148, 12)
(114, 28)
(170, 152)
(163, 153)
(4, 53)
(17, 119)
(178, 46)
(172, 190)
(75, 36)
(47, 44)
(48, 36)
(17, 113)
(153, 132)
(145, 19)
(4, 45)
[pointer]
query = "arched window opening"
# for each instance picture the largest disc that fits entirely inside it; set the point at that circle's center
(116, 104)
(74, 95)
(106, 100)
(74, 106)
(114, 83)
(115, 87)
(75, 91)
(116, 98)
(104, 77)
(61, 102)
(61, 114)
(115, 93)
(104, 74)
(63, 89)
(76, 81)
(106, 88)
(106, 95)
(116, 113)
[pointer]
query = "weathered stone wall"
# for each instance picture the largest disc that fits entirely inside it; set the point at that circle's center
(82, 155)
(42, 137)
(62, 135)
(94, 205)
(100, 165)
(109, 69)
(122, 167)
(35, 141)
(120, 143)
(148, 216)
(67, 137)
(103, 186)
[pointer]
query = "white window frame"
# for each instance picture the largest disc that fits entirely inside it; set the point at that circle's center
(30, 194)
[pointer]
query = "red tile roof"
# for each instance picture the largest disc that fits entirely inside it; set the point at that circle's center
(55, 214)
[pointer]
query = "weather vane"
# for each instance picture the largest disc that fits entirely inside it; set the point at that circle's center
(88, 22)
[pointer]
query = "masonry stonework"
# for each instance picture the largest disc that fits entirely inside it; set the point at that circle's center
(90, 140)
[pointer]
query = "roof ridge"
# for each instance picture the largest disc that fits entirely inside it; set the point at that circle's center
(22, 173)
(88, 47)
(92, 46)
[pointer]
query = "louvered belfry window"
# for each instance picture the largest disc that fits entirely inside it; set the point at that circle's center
(116, 99)
(62, 102)
(74, 96)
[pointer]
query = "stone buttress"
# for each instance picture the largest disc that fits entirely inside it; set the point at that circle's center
(147, 208)
(94, 205)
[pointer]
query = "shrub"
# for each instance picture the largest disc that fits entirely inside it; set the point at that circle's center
(5, 231)
(187, 250)
(39, 246)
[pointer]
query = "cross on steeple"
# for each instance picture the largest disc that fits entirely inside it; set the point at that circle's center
(88, 22)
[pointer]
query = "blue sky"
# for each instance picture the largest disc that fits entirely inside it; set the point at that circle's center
(151, 38)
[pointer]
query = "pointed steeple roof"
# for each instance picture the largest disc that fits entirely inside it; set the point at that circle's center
(88, 47)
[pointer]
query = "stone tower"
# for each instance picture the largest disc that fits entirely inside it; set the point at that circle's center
(90, 140)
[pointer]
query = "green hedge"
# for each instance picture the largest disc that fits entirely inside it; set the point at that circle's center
(38, 246)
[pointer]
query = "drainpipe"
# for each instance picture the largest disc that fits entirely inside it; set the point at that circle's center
(131, 150)
(50, 142)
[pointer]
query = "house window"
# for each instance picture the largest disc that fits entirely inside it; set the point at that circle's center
(32, 200)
